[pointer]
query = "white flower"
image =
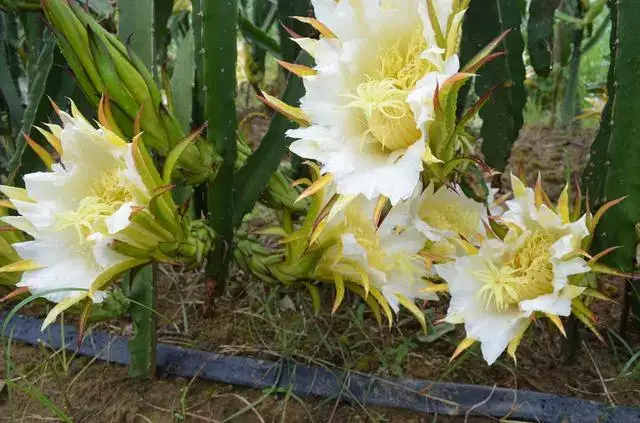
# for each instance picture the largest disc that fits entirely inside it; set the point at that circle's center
(370, 96)
(384, 259)
(76, 210)
(68, 263)
(497, 291)
(96, 184)
(449, 220)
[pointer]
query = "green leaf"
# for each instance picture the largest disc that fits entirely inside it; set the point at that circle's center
(442, 130)
(135, 74)
(33, 27)
(113, 85)
(315, 297)
(12, 34)
(612, 170)
(73, 38)
(174, 155)
(540, 34)
(253, 177)
(219, 38)
(435, 332)
(183, 80)
(136, 26)
(502, 114)
(142, 346)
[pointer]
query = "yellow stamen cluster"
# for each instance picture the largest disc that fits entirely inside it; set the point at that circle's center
(527, 275)
(401, 62)
(383, 95)
(111, 189)
(88, 218)
(108, 194)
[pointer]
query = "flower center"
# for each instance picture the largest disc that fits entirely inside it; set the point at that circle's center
(108, 194)
(527, 275)
(382, 96)
(110, 189)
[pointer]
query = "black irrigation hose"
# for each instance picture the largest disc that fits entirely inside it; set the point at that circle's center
(437, 398)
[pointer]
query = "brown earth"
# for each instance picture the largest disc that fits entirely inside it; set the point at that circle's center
(99, 392)
(555, 154)
(276, 322)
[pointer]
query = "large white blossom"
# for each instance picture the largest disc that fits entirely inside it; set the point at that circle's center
(496, 292)
(73, 212)
(371, 95)
(386, 259)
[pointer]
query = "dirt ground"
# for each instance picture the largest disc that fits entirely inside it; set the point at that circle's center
(555, 154)
(99, 392)
(276, 322)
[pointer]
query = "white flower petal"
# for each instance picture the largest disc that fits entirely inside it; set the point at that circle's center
(563, 246)
(40, 215)
(495, 333)
(396, 180)
(459, 275)
(550, 303)
(68, 264)
(579, 228)
(120, 219)
(132, 176)
(104, 255)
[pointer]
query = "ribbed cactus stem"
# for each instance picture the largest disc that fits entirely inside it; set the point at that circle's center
(503, 114)
(219, 38)
(612, 169)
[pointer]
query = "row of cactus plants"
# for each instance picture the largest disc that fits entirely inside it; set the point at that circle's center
(414, 149)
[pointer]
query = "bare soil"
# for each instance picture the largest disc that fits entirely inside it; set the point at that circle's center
(100, 392)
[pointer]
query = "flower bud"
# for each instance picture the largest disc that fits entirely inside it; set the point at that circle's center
(102, 64)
